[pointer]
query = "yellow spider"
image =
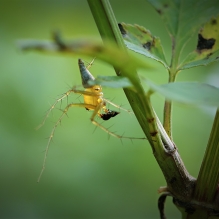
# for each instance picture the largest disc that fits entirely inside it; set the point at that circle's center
(93, 100)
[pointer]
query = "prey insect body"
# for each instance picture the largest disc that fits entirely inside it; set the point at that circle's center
(108, 115)
(93, 101)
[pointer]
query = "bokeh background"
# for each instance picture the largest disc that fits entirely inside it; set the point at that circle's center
(87, 175)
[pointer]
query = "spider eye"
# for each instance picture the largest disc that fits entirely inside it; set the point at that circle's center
(97, 88)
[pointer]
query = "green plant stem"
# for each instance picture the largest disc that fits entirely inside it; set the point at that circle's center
(179, 181)
(108, 28)
(167, 123)
(208, 177)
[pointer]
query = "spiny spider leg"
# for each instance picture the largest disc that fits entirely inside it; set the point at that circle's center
(93, 100)
(91, 63)
(117, 106)
(96, 109)
(66, 94)
(64, 112)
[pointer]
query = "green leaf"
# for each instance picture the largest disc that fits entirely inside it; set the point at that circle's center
(207, 50)
(193, 93)
(140, 40)
(183, 18)
(112, 81)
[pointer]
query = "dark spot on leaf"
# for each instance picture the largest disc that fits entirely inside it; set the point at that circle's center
(205, 43)
(122, 30)
(147, 45)
(217, 57)
(159, 11)
(213, 21)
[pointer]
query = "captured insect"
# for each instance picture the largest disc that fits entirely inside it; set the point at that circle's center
(93, 101)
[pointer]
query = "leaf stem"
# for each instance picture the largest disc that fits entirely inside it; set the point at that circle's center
(167, 123)
(173, 70)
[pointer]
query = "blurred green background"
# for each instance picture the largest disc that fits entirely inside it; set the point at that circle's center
(87, 175)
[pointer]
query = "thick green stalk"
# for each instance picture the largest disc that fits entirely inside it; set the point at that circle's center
(208, 178)
(179, 181)
(105, 19)
(108, 28)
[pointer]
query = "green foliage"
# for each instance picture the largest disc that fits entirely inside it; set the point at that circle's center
(112, 81)
(207, 50)
(140, 40)
(188, 92)
(183, 19)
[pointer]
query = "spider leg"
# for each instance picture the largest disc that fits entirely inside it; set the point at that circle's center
(96, 112)
(64, 112)
(117, 106)
(66, 94)
(97, 107)
(91, 63)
